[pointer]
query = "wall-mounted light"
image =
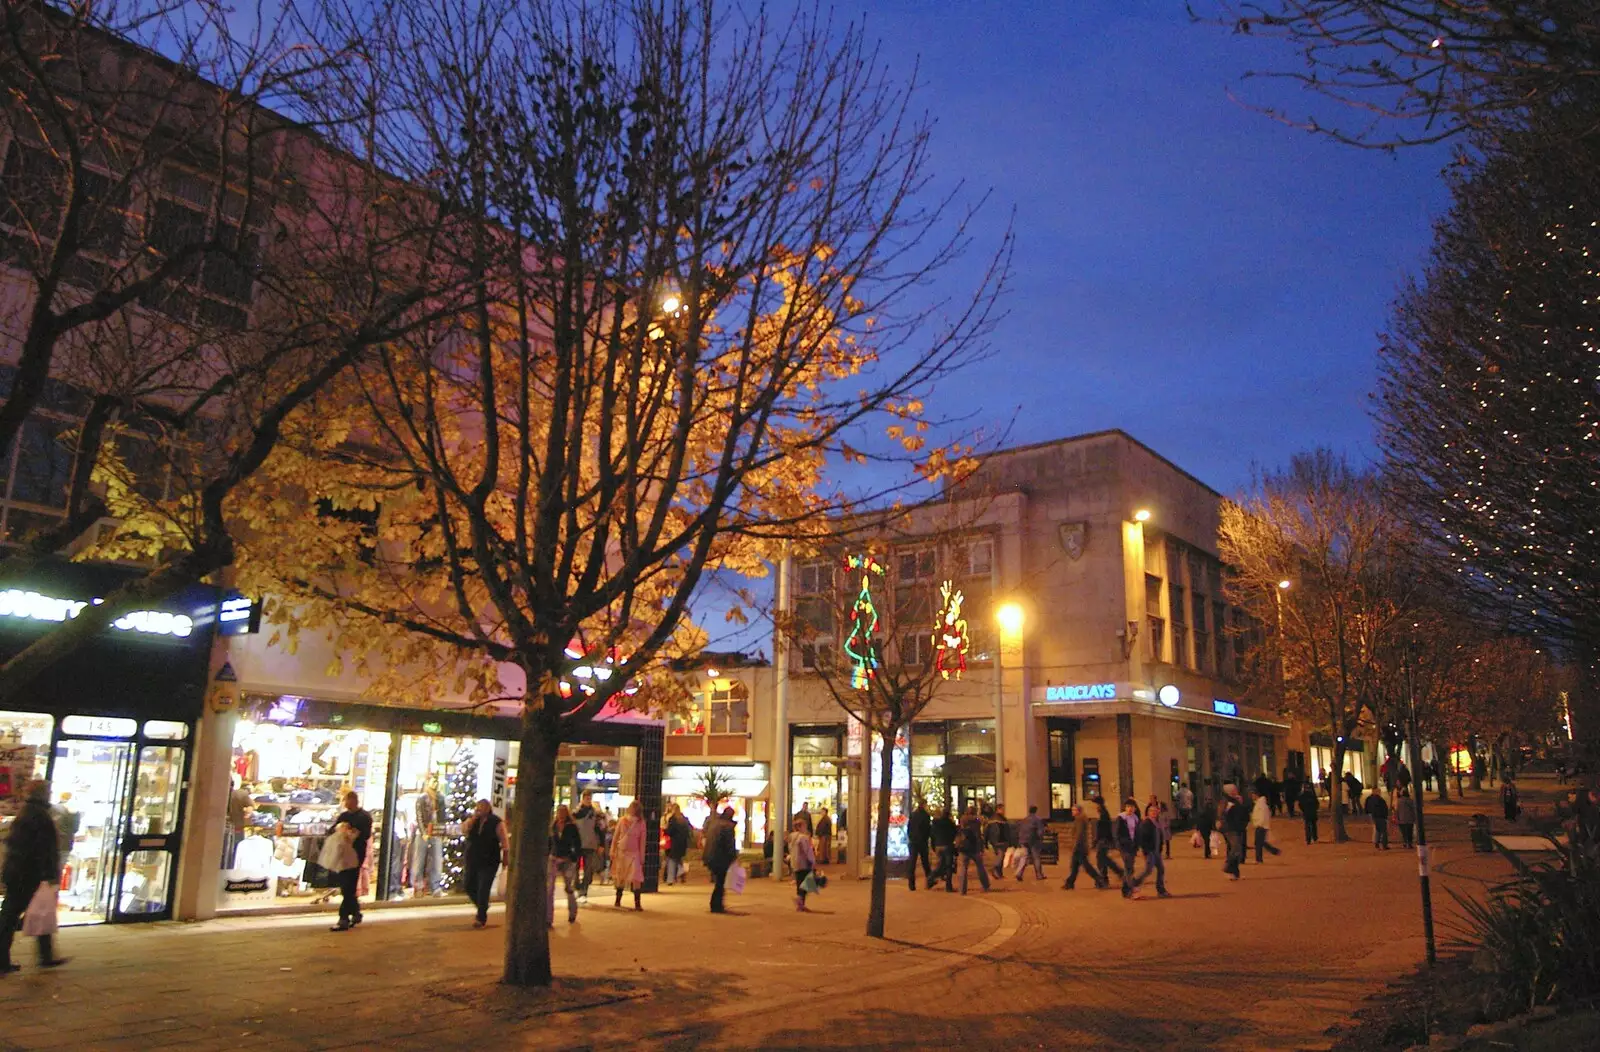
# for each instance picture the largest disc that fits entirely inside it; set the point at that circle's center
(1142, 515)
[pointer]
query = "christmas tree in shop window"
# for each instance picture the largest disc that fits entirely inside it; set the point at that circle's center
(458, 807)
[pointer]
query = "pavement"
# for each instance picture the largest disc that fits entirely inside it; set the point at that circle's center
(1268, 962)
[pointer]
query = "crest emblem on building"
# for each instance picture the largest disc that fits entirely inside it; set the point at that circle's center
(1074, 535)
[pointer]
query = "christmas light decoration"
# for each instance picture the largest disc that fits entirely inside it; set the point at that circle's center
(862, 643)
(458, 807)
(950, 639)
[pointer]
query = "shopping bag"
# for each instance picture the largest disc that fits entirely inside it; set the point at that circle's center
(809, 885)
(41, 916)
(338, 854)
(1196, 840)
(1216, 843)
(1010, 858)
(736, 878)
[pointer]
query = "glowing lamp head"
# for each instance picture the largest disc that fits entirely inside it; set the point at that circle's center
(670, 303)
(1284, 584)
(1142, 515)
(1010, 617)
(713, 673)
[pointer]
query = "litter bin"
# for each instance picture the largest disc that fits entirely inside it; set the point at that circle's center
(1482, 834)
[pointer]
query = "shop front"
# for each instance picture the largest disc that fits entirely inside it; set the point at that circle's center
(420, 773)
(110, 726)
(952, 764)
(745, 786)
(818, 769)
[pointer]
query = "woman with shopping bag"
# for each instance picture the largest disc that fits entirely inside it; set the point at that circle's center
(803, 857)
(32, 871)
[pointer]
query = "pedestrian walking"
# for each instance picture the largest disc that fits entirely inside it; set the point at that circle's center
(1149, 841)
(679, 832)
(1126, 832)
(1261, 817)
(1080, 839)
(32, 860)
(1405, 814)
(1184, 802)
(1510, 800)
(720, 853)
(627, 855)
(1353, 787)
(1377, 809)
(1030, 844)
(1291, 789)
(943, 836)
(1205, 823)
(919, 828)
(589, 824)
(357, 821)
(997, 837)
(970, 843)
(803, 857)
(824, 835)
(1235, 821)
(1308, 811)
(486, 850)
(1164, 824)
(1105, 840)
(565, 851)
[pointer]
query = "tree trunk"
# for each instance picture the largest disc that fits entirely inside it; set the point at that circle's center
(1336, 791)
(527, 883)
(880, 843)
(1439, 778)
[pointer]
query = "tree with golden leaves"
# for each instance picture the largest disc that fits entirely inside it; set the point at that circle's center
(1319, 562)
(695, 254)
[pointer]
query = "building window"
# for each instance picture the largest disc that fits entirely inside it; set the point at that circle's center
(216, 289)
(916, 649)
(916, 565)
(1155, 637)
(1180, 627)
(980, 558)
(729, 704)
(1202, 639)
(1219, 625)
(813, 579)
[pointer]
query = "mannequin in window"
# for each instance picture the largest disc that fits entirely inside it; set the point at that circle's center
(427, 843)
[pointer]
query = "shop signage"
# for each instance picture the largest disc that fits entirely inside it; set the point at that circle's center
(16, 769)
(1224, 708)
(433, 728)
(223, 698)
(238, 616)
(1081, 692)
(32, 606)
(99, 726)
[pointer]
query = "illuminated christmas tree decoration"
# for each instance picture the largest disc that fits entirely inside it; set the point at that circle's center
(862, 643)
(950, 639)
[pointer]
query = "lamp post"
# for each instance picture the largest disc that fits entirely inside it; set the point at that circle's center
(1010, 618)
(778, 819)
(1423, 861)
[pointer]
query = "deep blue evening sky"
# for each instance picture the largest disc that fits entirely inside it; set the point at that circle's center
(1186, 269)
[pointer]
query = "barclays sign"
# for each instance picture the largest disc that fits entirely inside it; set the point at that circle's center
(1081, 692)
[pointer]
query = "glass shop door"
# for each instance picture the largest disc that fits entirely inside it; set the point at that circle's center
(90, 783)
(149, 852)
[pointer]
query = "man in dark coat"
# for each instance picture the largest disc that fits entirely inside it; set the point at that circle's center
(33, 857)
(721, 852)
(919, 829)
(943, 834)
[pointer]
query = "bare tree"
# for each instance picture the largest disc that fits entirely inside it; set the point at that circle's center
(1421, 71)
(1318, 561)
(695, 247)
(898, 645)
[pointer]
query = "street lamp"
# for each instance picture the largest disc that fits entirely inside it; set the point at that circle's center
(1010, 618)
(1284, 584)
(1142, 515)
(670, 303)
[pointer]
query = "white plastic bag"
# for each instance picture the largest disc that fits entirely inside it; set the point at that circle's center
(1216, 843)
(736, 878)
(40, 919)
(338, 853)
(1010, 858)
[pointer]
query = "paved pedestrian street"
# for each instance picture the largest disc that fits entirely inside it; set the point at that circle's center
(1271, 962)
